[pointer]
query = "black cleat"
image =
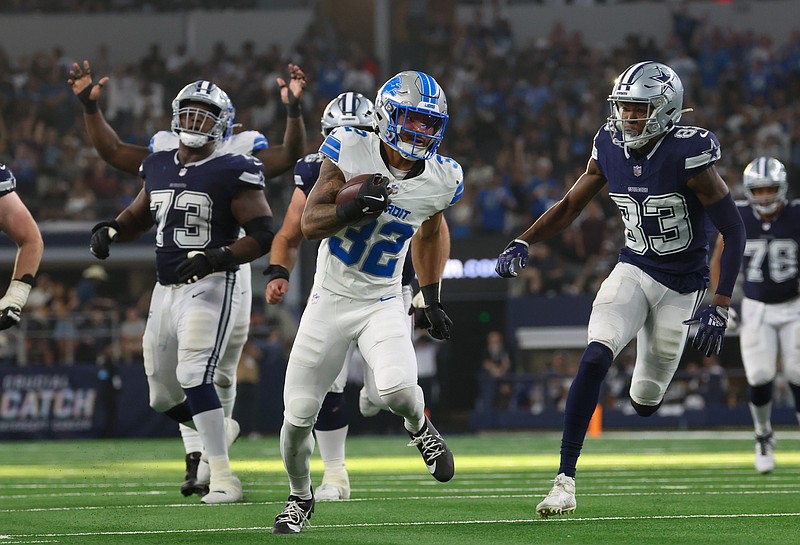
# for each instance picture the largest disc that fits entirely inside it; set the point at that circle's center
(438, 458)
(190, 485)
(294, 516)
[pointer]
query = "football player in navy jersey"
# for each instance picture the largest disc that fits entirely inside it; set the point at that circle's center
(351, 110)
(276, 160)
(357, 294)
(662, 177)
(770, 313)
(16, 222)
(199, 199)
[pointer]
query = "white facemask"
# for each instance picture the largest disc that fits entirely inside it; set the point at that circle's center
(193, 140)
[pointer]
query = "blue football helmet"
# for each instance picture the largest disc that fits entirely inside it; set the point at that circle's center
(350, 109)
(765, 172)
(7, 181)
(222, 114)
(651, 83)
(408, 93)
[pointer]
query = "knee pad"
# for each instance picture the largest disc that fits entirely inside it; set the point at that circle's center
(408, 402)
(302, 412)
(161, 398)
(333, 413)
(761, 395)
(223, 380)
(597, 359)
(645, 410)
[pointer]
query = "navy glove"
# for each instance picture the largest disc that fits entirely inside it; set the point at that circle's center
(10, 316)
(513, 259)
(440, 322)
(200, 264)
(103, 234)
(713, 320)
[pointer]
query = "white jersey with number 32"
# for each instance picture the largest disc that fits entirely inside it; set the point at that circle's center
(366, 262)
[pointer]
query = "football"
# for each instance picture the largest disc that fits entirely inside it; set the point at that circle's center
(349, 191)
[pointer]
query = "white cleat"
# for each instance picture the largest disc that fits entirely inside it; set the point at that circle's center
(224, 491)
(335, 486)
(560, 500)
(765, 455)
(231, 435)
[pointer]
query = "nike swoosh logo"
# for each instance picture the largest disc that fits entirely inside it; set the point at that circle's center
(387, 298)
(703, 133)
(431, 468)
(375, 198)
(198, 293)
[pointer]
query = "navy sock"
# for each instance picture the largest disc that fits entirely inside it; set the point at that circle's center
(581, 403)
(761, 395)
(333, 413)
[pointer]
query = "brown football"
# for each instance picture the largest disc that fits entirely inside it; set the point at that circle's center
(349, 191)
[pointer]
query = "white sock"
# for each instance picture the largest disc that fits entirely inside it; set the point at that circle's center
(761, 418)
(331, 447)
(211, 426)
(297, 445)
(227, 396)
(191, 439)
(220, 467)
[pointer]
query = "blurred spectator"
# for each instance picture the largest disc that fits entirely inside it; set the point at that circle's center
(88, 287)
(131, 331)
(496, 368)
(427, 350)
(246, 411)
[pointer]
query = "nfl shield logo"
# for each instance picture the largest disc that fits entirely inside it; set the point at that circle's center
(637, 170)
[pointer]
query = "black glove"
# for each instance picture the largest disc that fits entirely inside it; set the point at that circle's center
(372, 200)
(10, 316)
(711, 332)
(103, 234)
(440, 322)
(200, 264)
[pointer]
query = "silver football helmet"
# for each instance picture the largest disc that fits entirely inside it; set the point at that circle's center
(407, 93)
(348, 109)
(222, 113)
(765, 172)
(651, 83)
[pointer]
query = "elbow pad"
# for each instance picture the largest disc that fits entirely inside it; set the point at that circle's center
(261, 230)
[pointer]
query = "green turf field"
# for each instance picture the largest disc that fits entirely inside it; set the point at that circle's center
(633, 488)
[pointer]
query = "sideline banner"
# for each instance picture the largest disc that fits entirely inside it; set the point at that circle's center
(77, 401)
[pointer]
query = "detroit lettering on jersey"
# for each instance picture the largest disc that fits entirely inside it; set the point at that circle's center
(664, 220)
(364, 261)
(7, 181)
(770, 261)
(191, 204)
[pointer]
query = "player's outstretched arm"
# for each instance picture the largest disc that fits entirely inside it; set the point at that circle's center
(283, 255)
(115, 152)
(278, 159)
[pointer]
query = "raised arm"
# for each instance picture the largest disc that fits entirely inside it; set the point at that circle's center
(115, 152)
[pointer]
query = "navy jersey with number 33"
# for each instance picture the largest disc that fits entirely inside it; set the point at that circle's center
(191, 204)
(664, 221)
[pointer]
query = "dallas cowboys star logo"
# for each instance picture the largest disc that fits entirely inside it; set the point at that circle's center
(663, 79)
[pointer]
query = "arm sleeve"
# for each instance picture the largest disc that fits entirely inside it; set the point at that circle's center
(725, 217)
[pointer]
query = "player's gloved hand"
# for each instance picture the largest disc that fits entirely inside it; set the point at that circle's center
(711, 331)
(513, 259)
(372, 199)
(440, 322)
(12, 302)
(103, 234)
(198, 265)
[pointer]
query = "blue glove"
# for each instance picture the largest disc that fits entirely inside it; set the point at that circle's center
(513, 259)
(713, 320)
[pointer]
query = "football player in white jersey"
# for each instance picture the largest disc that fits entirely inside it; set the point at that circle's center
(16, 222)
(771, 302)
(199, 199)
(353, 110)
(357, 293)
(276, 160)
(662, 177)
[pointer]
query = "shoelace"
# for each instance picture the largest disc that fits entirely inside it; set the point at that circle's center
(764, 444)
(431, 445)
(292, 513)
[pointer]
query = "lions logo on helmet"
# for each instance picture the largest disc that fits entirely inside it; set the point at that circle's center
(651, 83)
(406, 93)
(765, 172)
(348, 109)
(191, 131)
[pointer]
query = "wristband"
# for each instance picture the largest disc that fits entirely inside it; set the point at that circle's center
(89, 105)
(273, 272)
(430, 294)
(294, 108)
